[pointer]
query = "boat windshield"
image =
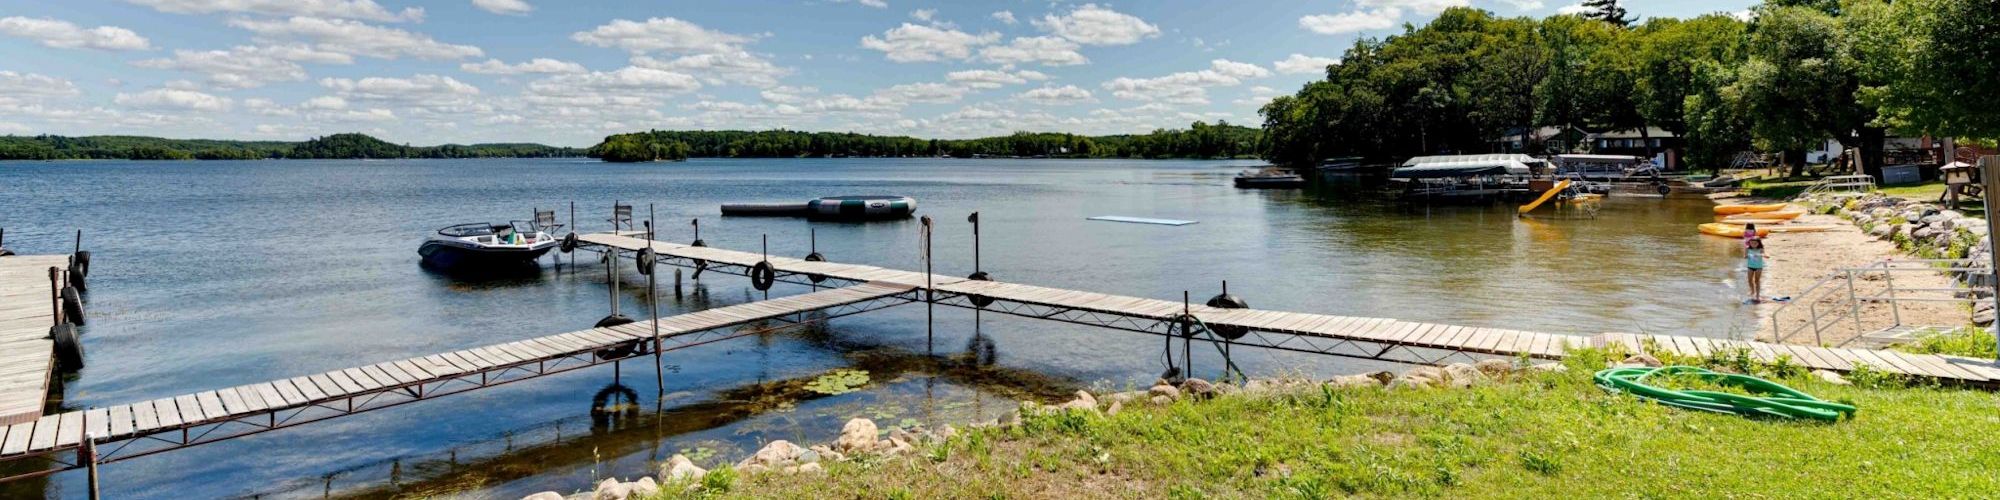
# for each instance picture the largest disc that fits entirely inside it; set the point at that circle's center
(474, 229)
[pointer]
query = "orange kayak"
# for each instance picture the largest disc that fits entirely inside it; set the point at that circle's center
(1729, 230)
(1744, 209)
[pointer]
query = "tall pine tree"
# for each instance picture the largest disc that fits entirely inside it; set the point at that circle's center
(1608, 11)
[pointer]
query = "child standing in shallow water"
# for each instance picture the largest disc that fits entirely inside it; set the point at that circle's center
(1753, 260)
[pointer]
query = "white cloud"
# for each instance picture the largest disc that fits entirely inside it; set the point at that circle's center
(913, 43)
(1067, 94)
(993, 79)
(247, 66)
(879, 4)
(787, 94)
(1005, 17)
(1240, 70)
(64, 35)
(366, 10)
(504, 7)
(32, 85)
(1523, 4)
(1047, 50)
(628, 79)
(417, 89)
(925, 15)
(324, 103)
(173, 100)
(1420, 6)
(660, 34)
(1298, 64)
(357, 38)
(736, 66)
(1573, 9)
(1188, 87)
(1091, 24)
(541, 65)
(1351, 22)
(923, 92)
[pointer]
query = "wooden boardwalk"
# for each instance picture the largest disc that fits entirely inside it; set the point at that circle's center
(1375, 338)
(191, 419)
(27, 358)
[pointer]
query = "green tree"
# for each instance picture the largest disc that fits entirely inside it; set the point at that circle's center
(1608, 11)
(1932, 66)
(1669, 52)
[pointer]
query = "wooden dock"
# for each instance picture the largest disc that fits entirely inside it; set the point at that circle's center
(1359, 337)
(164, 424)
(27, 310)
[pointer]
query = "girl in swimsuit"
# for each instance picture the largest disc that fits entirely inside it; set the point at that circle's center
(1753, 260)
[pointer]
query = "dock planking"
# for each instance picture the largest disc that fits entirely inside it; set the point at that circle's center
(51, 433)
(27, 358)
(1469, 339)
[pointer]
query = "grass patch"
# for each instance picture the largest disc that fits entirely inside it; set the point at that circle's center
(1966, 341)
(1776, 188)
(1543, 435)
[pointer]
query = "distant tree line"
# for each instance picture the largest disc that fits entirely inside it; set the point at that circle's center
(337, 146)
(1199, 140)
(1797, 73)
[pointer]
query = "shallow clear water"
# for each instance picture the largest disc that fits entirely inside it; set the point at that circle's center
(216, 274)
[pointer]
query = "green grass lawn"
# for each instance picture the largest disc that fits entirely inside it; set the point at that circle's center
(1542, 435)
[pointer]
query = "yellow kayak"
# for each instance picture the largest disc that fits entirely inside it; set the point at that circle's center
(1744, 209)
(1780, 216)
(1761, 230)
(1729, 230)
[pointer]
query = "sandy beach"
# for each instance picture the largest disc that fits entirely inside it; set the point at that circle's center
(1799, 260)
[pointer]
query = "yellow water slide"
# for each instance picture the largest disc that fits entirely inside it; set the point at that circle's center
(1551, 193)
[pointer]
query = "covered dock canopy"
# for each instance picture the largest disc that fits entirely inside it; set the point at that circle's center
(1432, 167)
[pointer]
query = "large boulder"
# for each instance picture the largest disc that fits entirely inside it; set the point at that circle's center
(1164, 390)
(1197, 388)
(1083, 401)
(680, 469)
(858, 436)
(1830, 377)
(645, 487)
(546, 495)
(1495, 368)
(1462, 375)
(610, 489)
(775, 455)
(1357, 380)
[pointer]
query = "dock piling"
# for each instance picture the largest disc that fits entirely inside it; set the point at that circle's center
(930, 292)
(653, 300)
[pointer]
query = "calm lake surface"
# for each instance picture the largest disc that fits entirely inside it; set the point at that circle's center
(216, 274)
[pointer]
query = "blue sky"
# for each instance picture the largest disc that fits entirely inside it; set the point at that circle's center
(569, 73)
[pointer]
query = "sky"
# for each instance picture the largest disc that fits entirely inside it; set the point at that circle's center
(570, 72)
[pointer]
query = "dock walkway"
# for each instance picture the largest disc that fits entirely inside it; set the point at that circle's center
(139, 429)
(1360, 337)
(27, 310)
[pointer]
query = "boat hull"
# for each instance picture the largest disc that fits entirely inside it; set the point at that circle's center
(453, 255)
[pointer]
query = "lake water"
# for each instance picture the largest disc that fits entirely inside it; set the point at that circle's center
(216, 274)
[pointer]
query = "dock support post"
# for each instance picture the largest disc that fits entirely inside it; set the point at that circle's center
(88, 455)
(930, 292)
(653, 299)
(572, 228)
(677, 284)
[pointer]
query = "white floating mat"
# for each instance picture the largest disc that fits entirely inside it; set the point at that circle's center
(1142, 220)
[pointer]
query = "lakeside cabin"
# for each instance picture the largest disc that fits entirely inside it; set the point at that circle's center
(1467, 178)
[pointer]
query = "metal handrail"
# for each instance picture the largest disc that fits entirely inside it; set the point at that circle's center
(1844, 308)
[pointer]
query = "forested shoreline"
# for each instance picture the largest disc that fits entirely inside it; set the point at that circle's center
(1781, 79)
(1200, 140)
(336, 146)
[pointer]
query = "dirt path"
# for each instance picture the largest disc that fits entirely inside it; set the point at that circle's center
(1799, 260)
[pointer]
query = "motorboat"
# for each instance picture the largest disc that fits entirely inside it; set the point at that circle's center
(483, 245)
(1269, 179)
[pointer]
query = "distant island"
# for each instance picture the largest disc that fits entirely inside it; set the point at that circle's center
(1199, 141)
(336, 146)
